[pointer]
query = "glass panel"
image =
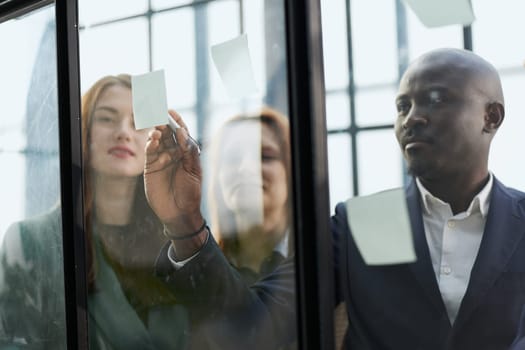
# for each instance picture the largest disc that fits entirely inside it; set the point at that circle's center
(460, 230)
(494, 30)
(375, 106)
(31, 267)
(164, 4)
(253, 24)
(113, 49)
(422, 39)
(337, 110)
(220, 31)
(244, 191)
(97, 11)
(335, 48)
(167, 28)
(339, 165)
(378, 153)
(374, 42)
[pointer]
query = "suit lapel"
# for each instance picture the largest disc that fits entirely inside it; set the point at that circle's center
(422, 268)
(503, 232)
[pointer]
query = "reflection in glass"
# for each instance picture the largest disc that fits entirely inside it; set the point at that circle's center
(218, 32)
(248, 194)
(31, 267)
(125, 303)
(128, 306)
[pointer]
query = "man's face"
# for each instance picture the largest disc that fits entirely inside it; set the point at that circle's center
(440, 120)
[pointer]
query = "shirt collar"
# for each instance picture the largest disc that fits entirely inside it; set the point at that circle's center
(480, 202)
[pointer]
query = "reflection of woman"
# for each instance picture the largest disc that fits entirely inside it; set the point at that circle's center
(127, 306)
(248, 194)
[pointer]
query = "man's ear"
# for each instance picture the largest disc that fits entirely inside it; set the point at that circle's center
(495, 112)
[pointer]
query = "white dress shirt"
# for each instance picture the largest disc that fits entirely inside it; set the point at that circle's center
(453, 242)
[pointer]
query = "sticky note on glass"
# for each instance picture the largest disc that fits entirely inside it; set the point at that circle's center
(380, 227)
(442, 12)
(150, 105)
(234, 65)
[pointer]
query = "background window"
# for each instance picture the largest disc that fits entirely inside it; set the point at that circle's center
(362, 68)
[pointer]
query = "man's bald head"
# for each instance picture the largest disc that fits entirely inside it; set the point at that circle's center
(467, 67)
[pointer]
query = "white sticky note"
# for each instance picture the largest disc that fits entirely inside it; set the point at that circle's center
(442, 12)
(381, 229)
(150, 105)
(234, 65)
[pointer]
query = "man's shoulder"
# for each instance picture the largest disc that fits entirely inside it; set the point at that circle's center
(511, 192)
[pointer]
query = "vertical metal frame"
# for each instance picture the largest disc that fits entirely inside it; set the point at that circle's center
(14, 8)
(70, 158)
(71, 172)
(314, 250)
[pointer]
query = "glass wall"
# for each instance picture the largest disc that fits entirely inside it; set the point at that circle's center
(362, 90)
(31, 266)
(224, 65)
(367, 47)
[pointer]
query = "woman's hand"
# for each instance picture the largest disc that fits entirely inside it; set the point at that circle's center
(173, 178)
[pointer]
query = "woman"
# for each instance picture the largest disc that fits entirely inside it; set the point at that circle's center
(249, 192)
(124, 234)
(128, 308)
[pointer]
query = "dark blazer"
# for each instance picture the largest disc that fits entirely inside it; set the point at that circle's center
(519, 343)
(389, 307)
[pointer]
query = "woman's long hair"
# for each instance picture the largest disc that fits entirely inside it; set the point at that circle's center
(222, 218)
(145, 222)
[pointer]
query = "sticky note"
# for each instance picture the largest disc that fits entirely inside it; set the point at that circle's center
(442, 12)
(150, 105)
(233, 63)
(380, 227)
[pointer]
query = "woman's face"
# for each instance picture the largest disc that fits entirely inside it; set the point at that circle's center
(252, 167)
(117, 149)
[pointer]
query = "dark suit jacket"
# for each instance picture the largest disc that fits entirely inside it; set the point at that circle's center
(519, 343)
(390, 307)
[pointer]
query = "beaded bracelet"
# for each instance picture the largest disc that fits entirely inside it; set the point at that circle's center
(168, 234)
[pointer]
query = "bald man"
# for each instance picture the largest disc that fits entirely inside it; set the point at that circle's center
(467, 287)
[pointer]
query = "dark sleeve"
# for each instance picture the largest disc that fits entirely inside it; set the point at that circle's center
(340, 231)
(229, 312)
(32, 306)
(519, 341)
